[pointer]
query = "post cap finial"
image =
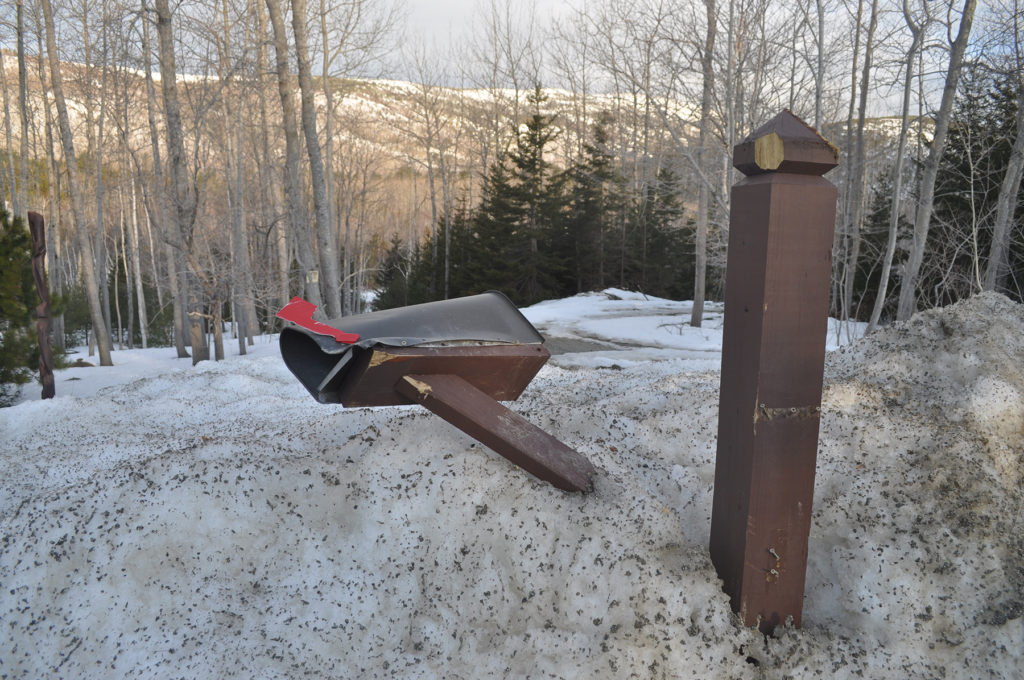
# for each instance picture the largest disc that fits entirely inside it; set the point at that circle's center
(785, 144)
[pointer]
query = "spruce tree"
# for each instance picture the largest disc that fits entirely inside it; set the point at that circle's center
(596, 207)
(875, 235)
(664, 250)
(967, 187)
(651, 252)
(392, 279)
(19, 352)
(538, 236)
(540, 232)
(516, 241)
(488, 263)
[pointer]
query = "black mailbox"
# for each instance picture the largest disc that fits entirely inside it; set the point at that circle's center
(457, 358)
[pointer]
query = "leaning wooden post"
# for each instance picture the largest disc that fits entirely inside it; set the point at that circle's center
(773, 351)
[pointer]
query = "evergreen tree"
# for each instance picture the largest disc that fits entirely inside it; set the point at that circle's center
(656, 254)
(665, 254)
(967, 187)
(493, 229)
(541, 233)
(465, 252)
(875, 236)
(19, 352)
(516, 241)
(596, 207)
(538, 236)
(392, 279)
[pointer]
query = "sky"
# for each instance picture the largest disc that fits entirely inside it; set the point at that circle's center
(437, 19)
(440, 24)
(440, 18)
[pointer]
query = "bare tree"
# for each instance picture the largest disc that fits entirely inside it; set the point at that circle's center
(929, 172)
(133, 235)
(292, 174)
(324, 229)
(437, 131)
(183, 189)
(353, 35)
(10, 176)
(819, 71)
(55, 248)
(571, 52)
(504, 50)
(128, 91)
(157, 208)
(74, 187)
(23, 106)
(707, 94)
(241, 269)
(858, 169)
(101, 245)
(268, 177)
(1012, 29)
(917, 29)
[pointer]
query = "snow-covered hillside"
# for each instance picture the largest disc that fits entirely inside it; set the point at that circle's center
(165, 521)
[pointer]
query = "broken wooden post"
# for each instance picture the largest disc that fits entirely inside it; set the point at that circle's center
(500, 429)
(457, 358)
(773, 351)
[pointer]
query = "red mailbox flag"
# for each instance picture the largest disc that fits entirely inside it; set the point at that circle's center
(300, 312)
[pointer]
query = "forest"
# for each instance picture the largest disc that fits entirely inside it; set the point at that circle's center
(199, 163)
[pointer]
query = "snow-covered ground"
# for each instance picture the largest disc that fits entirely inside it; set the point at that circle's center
(165, 521)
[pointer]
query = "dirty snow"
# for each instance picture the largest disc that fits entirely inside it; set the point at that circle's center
(165, 521)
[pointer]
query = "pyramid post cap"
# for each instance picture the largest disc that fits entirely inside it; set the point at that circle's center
(785, 144)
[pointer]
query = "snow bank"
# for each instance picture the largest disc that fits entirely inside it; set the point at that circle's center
(917, 538)
(618, 329)
(216, 523)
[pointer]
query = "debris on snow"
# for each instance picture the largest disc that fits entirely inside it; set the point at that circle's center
(213, 523)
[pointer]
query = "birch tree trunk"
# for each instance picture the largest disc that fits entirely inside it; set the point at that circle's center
(707, 92)
(181, 186)
(11, 180)
(270, 179)
(1009, 191)
(917, 33)
(74, 187)
(1009, 194)
(292, 173)
(159, 216)
(129, 282)
(54, 246)
(730, 102)
(23, 105)
(858, 170)
(324, 230)
(329, 182)
(101, 243)
(137, 271)
(840, 241)
(241, 273)
(926, 195)
(819, 72)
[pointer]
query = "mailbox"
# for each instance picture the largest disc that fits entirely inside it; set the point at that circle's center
(458, 358)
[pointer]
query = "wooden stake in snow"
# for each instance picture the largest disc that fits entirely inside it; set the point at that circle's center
(773, 351)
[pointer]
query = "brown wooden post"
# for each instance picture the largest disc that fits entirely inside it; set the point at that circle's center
(504, 431)
(38, 230)
(776, 307)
